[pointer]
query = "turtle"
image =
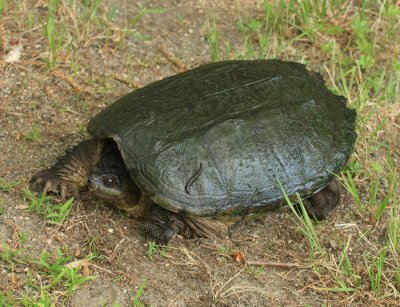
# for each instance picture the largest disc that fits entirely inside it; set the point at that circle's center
(195, 152)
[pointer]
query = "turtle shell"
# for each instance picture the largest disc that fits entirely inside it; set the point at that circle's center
(225, 138)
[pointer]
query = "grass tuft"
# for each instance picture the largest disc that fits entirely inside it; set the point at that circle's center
(213, 40)
(45, 206)
(136, 302)
(304, 224)
(375, 269)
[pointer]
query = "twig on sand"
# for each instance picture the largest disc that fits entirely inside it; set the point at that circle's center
(74, 84)
(126, 81)
(273, 264)
(170, 57)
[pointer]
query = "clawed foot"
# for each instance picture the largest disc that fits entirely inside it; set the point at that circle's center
(163, 225)
(160, 235)
(48, 181)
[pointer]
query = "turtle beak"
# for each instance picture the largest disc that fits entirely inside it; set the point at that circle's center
(93, 183)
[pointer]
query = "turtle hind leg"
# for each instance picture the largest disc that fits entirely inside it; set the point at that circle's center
(71, 172)
(320, 204)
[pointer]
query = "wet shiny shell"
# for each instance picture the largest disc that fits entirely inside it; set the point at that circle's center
(221, 138)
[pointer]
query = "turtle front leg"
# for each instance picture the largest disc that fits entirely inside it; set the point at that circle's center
(322, 203)
(71, 172)
(164, 224)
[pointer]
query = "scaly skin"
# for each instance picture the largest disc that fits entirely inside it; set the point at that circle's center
(71, 172)
(321, 204)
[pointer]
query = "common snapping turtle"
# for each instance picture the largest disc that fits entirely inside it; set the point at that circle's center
(197, 150)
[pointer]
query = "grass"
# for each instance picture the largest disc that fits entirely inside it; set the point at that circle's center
(136, 301)
(256, 271)
(375, 269)
(47, 207)
(54, 39)
(377, 199)
(393, 227)
(8, 185)
(224, 251)
(156, 249)
(304, 223)
(213, 40)
(54, 270)
(34, 134)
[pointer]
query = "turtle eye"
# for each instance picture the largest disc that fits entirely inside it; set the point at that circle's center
(110, 181)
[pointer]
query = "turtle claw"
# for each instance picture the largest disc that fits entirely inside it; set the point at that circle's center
(158, 232)
(48, 182)
(161, 236)
(71, 172)
(163, 225)
(45, 181)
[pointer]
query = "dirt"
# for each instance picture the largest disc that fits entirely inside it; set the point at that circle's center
(199, 272)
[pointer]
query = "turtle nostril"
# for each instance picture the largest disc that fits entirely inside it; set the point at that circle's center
(91, 182)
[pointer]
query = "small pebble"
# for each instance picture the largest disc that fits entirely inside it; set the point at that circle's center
(21, 207)
(333, 244)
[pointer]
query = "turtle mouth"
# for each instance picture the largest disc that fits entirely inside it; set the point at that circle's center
(104, 186)
(111, 193)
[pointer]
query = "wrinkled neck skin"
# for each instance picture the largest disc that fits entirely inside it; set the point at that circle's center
(131, 203)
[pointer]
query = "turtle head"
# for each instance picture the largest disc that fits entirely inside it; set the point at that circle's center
(108, 185)
(110, 181)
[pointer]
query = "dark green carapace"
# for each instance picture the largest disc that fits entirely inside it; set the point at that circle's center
(215, 140)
